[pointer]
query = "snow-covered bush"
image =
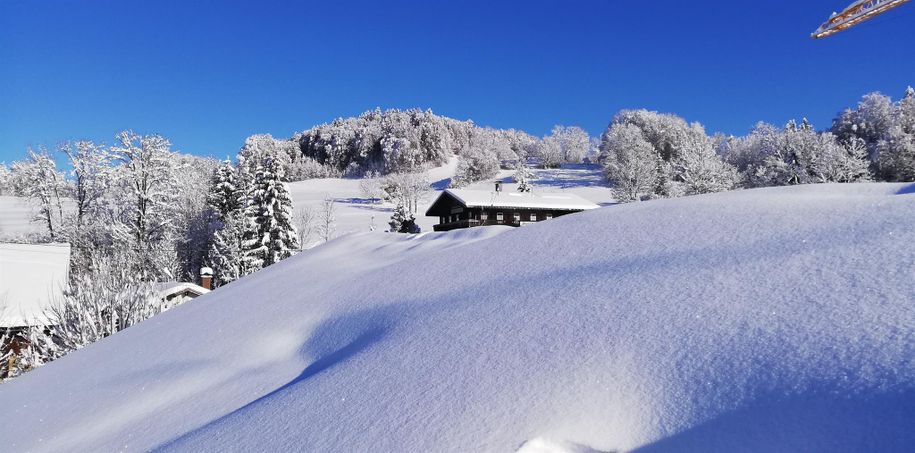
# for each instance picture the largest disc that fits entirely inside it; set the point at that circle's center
(25, 349)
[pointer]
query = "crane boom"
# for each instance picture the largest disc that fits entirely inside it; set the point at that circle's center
(856, 13)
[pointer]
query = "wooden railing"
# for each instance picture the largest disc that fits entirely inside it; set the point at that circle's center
(467, 223)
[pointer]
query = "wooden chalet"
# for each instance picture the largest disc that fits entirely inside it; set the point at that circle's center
(463, 208)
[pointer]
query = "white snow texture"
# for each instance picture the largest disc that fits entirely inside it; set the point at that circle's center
(777, 319)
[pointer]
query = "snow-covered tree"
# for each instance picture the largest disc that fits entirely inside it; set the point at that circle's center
(4, 180)
(522, 177)
(147, 176)
(327, 220)
(896, 156)
(688, 162)
(872, 120)
(797, 154)
(406, 188)
(697, 168)
(549, 151)
(475, 165)
(225, 197)
(90, 174)
(227, 200)
(630, 163)
(403, 221)
(275, 236)
(91, 180)
(306, 225)
(226, 254)
(97, 306)
(370, 186)
(40, 181)
(574, 143)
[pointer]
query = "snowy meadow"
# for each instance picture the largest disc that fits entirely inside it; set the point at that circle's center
(733, 293)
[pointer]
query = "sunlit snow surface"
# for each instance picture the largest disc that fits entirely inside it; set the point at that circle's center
(778, 319)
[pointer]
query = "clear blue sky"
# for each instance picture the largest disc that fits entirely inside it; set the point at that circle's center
(208, 74)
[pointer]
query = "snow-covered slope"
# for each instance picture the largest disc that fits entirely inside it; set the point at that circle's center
(777, 319)
(354, 212)
(16, 218)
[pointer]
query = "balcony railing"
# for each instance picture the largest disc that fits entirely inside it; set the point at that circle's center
(467, 223)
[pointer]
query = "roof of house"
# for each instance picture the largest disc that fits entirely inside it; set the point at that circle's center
(493, 199)
(32, 277)
(168, 289)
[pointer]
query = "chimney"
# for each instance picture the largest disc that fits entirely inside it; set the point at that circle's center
(206, 277)
(498, 186)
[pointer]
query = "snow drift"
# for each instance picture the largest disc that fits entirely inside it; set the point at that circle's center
(777, 319)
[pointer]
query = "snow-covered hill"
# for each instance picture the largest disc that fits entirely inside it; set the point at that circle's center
(354, 213)
(778, 319)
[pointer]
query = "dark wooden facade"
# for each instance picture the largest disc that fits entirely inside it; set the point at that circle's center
(453, 214)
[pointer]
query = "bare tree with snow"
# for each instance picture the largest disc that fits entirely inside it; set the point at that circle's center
(630, 163)
(327, 220)
(40, 181)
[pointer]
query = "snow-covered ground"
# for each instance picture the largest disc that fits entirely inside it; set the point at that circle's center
(30, 277)
(777, 319)
(16, 216)
(355, 212)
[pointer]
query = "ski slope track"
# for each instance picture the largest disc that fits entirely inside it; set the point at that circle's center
(779, 319)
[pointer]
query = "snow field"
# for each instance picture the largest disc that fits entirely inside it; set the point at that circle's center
(776, 319)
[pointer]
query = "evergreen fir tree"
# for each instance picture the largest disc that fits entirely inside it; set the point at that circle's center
(226, 200)
(225, 197)
(273, 236)
(522, 176)
(403, 221)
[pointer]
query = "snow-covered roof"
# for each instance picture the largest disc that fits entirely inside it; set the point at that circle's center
(493, 199)
(168, 289)
(32, 276)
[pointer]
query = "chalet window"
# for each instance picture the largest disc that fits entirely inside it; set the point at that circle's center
(517, 217)
(484, 216)
(549, 216)
(533, 217)
(499, 217)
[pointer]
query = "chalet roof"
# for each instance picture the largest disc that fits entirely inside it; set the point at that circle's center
(168, 289)
(492, 199)
(32, 277)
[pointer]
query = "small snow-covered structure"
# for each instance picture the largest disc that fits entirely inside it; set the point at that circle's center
(464, 208)
(32, 276)
(176, 293)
